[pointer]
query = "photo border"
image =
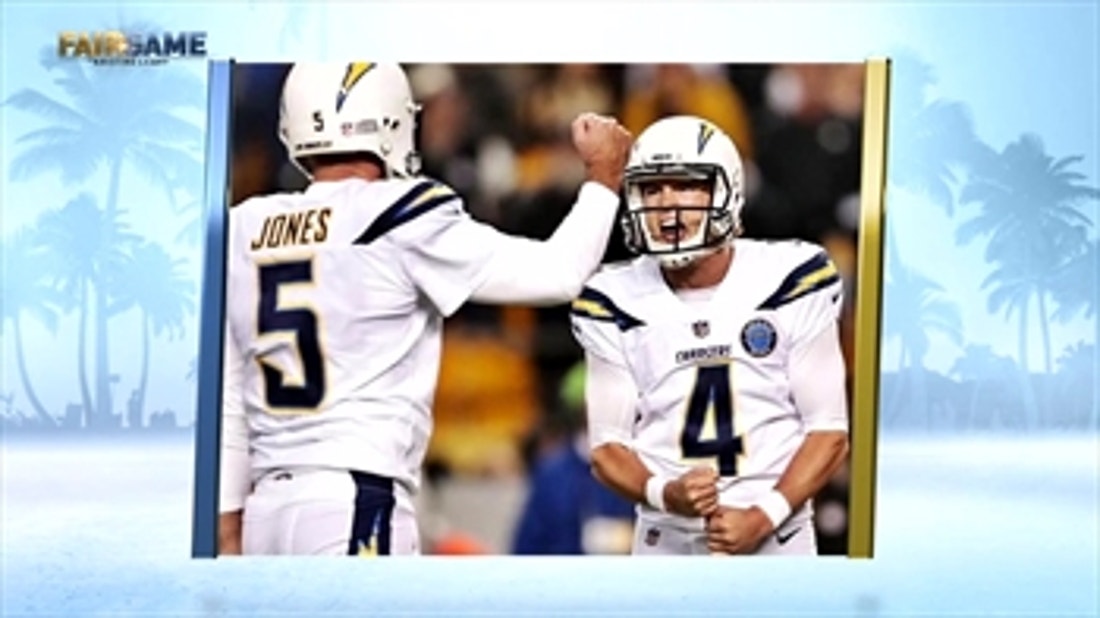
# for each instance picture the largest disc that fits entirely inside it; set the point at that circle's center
(204, 522)
(868, 311)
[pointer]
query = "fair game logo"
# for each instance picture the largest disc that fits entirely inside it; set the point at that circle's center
(130, 48)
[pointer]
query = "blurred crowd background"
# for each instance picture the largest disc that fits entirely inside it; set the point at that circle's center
(506, 471)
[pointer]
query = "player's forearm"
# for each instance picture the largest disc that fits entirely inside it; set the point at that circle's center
(619, 468)
(817, 388)
(553, 271)
(235, 474)
(816, 461)
(229, 533)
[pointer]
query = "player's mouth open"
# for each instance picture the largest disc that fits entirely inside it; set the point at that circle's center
(672, 231)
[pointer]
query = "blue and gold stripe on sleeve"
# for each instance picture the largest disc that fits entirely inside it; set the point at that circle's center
(595, 305)
(812, 275)
(422, 198)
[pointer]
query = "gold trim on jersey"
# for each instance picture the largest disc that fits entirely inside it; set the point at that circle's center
(423, 197)
(436, 191)
(596, 305)
(368, 550)
(305, 302)
(590, 308)
(808, 277)
(707, 429)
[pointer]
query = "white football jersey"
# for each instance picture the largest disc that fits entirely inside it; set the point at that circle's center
(712, 377)
(335, 296)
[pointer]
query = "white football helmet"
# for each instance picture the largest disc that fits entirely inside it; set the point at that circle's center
(364, 107)
(684, 147)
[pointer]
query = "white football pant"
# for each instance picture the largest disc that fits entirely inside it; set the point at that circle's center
(659, 537)
(330, 513)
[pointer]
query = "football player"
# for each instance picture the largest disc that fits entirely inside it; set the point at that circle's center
(336, 298)
(716, 387)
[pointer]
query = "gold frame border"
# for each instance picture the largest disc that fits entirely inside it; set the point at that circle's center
(868, 316)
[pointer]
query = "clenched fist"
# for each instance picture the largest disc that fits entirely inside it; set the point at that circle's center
(694, 494)
(737, 531)
(604, 146)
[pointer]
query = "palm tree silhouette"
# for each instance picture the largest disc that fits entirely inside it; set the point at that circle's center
(917, 308)
(24, 289)
(933, 146)
(989, 374)
(89, 252)
(932, 140)
(190, 233)
(1074, 286)
(152, 281)
(1076, 384)
(1076, 291)
(113, 118)
(1028, 204)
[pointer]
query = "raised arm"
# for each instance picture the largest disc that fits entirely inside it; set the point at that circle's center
(452, 257)
(553, 271)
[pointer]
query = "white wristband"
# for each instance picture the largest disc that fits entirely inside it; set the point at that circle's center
(775, 506)
(655, 492)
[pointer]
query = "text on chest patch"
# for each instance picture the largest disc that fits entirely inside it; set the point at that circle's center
(694, 355)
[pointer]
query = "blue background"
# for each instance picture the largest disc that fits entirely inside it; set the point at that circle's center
(988, 472)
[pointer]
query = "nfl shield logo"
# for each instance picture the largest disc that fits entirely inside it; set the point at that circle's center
(701, 328)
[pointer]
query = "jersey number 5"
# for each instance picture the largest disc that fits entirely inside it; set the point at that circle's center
(302, 323)
(712, 396)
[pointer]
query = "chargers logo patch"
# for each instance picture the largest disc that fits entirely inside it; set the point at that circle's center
(758, 337)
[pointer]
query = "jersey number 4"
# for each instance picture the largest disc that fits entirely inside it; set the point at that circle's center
(712, 397)
(302, 322)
